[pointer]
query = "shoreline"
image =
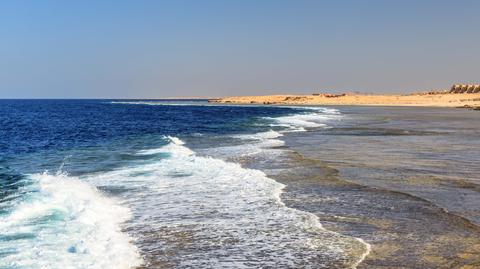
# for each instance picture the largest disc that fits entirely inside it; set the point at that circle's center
(378, 228)
(452, 100)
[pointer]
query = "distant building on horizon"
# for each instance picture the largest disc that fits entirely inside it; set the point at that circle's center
(465, 88)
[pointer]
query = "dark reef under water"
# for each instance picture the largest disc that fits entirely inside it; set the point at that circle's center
(406, 180)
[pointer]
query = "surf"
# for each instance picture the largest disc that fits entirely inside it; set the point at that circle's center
(227, 215)
(66, 223)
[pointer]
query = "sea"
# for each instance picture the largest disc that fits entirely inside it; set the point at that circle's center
(191, 184)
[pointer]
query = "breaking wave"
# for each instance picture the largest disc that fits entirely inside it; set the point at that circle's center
(229, 216)
(66, 223)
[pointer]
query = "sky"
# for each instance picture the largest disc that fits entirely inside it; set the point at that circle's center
(155, 49)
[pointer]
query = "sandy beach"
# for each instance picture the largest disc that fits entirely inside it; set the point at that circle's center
(421, 99)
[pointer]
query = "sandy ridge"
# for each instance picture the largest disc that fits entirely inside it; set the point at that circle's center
(470, 100)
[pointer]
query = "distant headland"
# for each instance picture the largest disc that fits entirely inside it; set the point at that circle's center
(459, 95)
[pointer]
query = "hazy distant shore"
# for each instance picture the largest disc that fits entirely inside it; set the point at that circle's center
(471, 100)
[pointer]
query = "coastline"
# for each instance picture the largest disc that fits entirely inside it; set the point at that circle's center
(335, 187)
(464, 100)
(415, 192)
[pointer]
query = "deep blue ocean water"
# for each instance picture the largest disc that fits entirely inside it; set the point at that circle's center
(41, 125)
(38, 134)
(125, 184)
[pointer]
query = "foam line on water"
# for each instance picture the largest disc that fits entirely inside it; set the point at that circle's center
(253, 144)
(169, 148)
(324, 110)
(260, 136)
(317, 117)
(364, 255)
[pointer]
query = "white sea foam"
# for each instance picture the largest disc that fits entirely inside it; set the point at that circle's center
(260, 136)
(261, 141)
(257, 143)
(324, 110)
(306, 120)
(301, 121)
(66, 223)
(227, 215)
(169, 148)
(188, 210)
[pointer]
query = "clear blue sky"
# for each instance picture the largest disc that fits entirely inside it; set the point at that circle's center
(152, 49)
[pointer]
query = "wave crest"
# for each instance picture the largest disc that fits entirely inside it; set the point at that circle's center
(67, 223)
